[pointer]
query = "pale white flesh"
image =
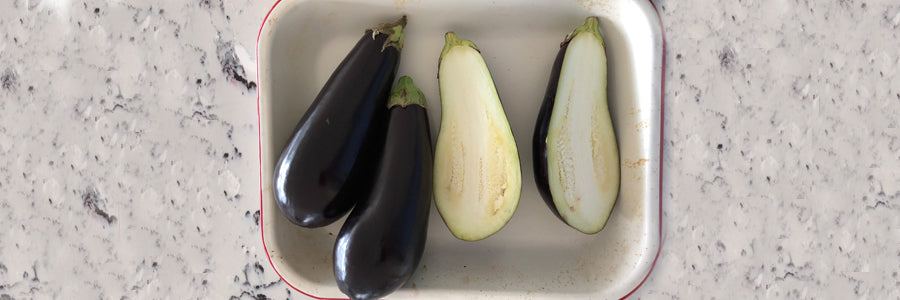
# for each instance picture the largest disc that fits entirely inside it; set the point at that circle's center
(477, 177)
(582, 156)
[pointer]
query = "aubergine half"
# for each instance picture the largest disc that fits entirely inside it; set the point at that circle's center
(328, 163)
(477, 176)
(381, 243)
(576, 158)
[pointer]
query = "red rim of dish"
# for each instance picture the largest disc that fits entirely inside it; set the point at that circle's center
(662, 97)
(259, 145)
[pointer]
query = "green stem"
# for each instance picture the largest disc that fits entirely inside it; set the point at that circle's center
(451, 40)
(406, 94)
(591, 25)
(394, 31)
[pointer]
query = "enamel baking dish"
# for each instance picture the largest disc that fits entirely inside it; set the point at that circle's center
(536, 255)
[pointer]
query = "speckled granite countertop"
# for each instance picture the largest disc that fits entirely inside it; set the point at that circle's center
(128, 151)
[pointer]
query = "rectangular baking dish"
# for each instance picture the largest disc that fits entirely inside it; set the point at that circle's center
(536, 255)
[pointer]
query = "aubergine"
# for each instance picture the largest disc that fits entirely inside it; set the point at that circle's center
(477, 176)
(331, 156)
(381, 243)
(576, 157)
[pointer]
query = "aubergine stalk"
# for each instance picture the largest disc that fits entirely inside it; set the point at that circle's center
(332, 154)
(381, 243)
(576, 158)
(477, 178)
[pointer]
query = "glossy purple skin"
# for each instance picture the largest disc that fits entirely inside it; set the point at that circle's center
(381, 243)
(328, 163)
(541, 128)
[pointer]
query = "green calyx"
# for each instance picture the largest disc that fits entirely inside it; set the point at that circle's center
(394, 31)
(451, 40)
(406, 94)
(591, 26)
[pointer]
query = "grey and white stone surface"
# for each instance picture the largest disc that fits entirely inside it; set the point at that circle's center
(782, 159)
(129, 159)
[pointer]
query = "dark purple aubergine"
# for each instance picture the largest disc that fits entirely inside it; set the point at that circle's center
(381, 243)
(328, 163)
(576, 156)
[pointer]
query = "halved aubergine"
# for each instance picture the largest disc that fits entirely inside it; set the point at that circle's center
(477, 176)
(576, 157)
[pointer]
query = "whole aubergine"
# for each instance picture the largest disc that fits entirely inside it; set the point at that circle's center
(381, 243)
(329, 161)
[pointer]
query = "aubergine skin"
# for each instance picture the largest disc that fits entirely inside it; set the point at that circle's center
(381, 243)
(541, 128)
(328, 162)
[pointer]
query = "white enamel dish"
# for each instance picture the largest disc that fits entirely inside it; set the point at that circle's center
(535, 256)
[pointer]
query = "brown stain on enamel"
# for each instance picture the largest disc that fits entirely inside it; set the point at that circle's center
(639, 163)
(634, 111)
(400, 5)
(601, 5)
(640, 126)
(632, 207)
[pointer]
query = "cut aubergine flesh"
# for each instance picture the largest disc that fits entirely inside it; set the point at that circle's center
(582, 155)
(477, 179)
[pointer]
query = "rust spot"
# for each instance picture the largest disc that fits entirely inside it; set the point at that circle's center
(634, 111)
(595, 4)
(640, 126)
(327, 121)
(401, 4)
(465, 280)
(571, 208)
(633, 208)
(635, 164)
